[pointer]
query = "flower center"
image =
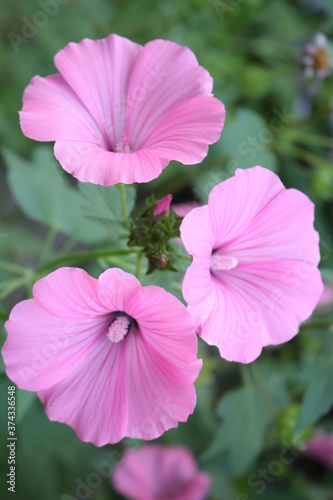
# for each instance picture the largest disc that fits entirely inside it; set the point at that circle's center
(220, 262)
(123, 146)
(321, 59)
(118, 328)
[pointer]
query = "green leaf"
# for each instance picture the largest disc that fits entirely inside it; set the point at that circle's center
(2, 341)
(318, 398)
(246, 141)
(256, 81)
(24, 400)
(327, 275)
(246, 419)
(104, 204)
(44, 194)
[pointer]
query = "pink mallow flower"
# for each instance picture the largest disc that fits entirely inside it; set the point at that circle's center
(106, 356)
(119, 112)
(155, 472)
(254, 275)
(320, 447)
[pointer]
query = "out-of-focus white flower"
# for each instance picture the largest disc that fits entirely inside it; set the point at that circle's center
(316, 58)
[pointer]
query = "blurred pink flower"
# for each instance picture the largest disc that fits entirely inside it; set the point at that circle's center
(108, 357)
(119, 112)
(155, 472)
(254, 275)
(326, 299)
(183, 209)
(163, 205)
(320, 447)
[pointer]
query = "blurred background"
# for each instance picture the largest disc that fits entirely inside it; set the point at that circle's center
(272, 68)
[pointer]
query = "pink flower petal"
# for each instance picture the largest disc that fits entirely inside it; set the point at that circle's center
(108, 357)
(162, 205)
(186, 131)
(120, 112)
(326, 300)
(153, 472)
(99, 72)
(320, 447)
(155, 90)
(198, 241)
(198, 273)
(198, 488)
(160, 388)
(292, 237)
(69, 292)
(148, 377)
(116, 288)
(279, 295)
(93, 399)
(183, 209)
(52, 111)
(229, 325)
(162, 363)
(254, 275)
(236, 201)
(91, 163)
(138, 474)
(197, 233)
(42, 349)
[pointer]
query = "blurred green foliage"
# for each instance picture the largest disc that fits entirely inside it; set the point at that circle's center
(245, 418)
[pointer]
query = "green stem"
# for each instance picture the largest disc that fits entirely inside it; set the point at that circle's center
(48, 244)
(318, 324)
(138, 265)
(14, 285)
(3, 315)
(14, 268)
(262, 388)
(300, 153)
(68, 246)
(82, 256)
(123, 201)
(116, 262)
(312, 139)
(245, 374)
(185, 257)
(177, 286)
